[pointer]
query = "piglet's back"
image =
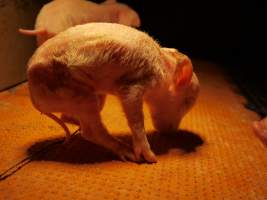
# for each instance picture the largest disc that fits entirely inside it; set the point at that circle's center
(94, 47)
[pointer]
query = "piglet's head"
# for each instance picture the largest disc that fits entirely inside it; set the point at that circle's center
(179, 95)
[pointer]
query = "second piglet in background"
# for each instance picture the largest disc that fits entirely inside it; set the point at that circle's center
(59, 15)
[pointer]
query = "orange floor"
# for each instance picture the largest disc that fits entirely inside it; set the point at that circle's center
(215, 155)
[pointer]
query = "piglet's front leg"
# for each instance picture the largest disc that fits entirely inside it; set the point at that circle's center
(132, 103)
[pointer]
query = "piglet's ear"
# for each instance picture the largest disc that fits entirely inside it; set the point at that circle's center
(185, 72)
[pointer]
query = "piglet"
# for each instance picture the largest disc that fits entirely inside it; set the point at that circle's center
(73, 72)
(59, 15)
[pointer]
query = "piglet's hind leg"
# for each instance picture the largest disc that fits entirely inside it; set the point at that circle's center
(68, 118)
(94, 131)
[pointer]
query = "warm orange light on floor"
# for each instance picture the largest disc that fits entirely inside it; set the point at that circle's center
(215, 155)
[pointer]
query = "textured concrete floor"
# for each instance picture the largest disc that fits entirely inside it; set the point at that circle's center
(214, 155)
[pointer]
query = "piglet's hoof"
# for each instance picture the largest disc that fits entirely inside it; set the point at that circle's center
(145, 151)
(125, 153)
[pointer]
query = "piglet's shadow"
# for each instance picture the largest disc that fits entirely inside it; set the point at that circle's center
(80, 151)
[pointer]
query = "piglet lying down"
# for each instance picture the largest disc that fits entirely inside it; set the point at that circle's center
(72, 73)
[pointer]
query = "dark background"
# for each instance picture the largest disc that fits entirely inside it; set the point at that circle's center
(230, 33)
